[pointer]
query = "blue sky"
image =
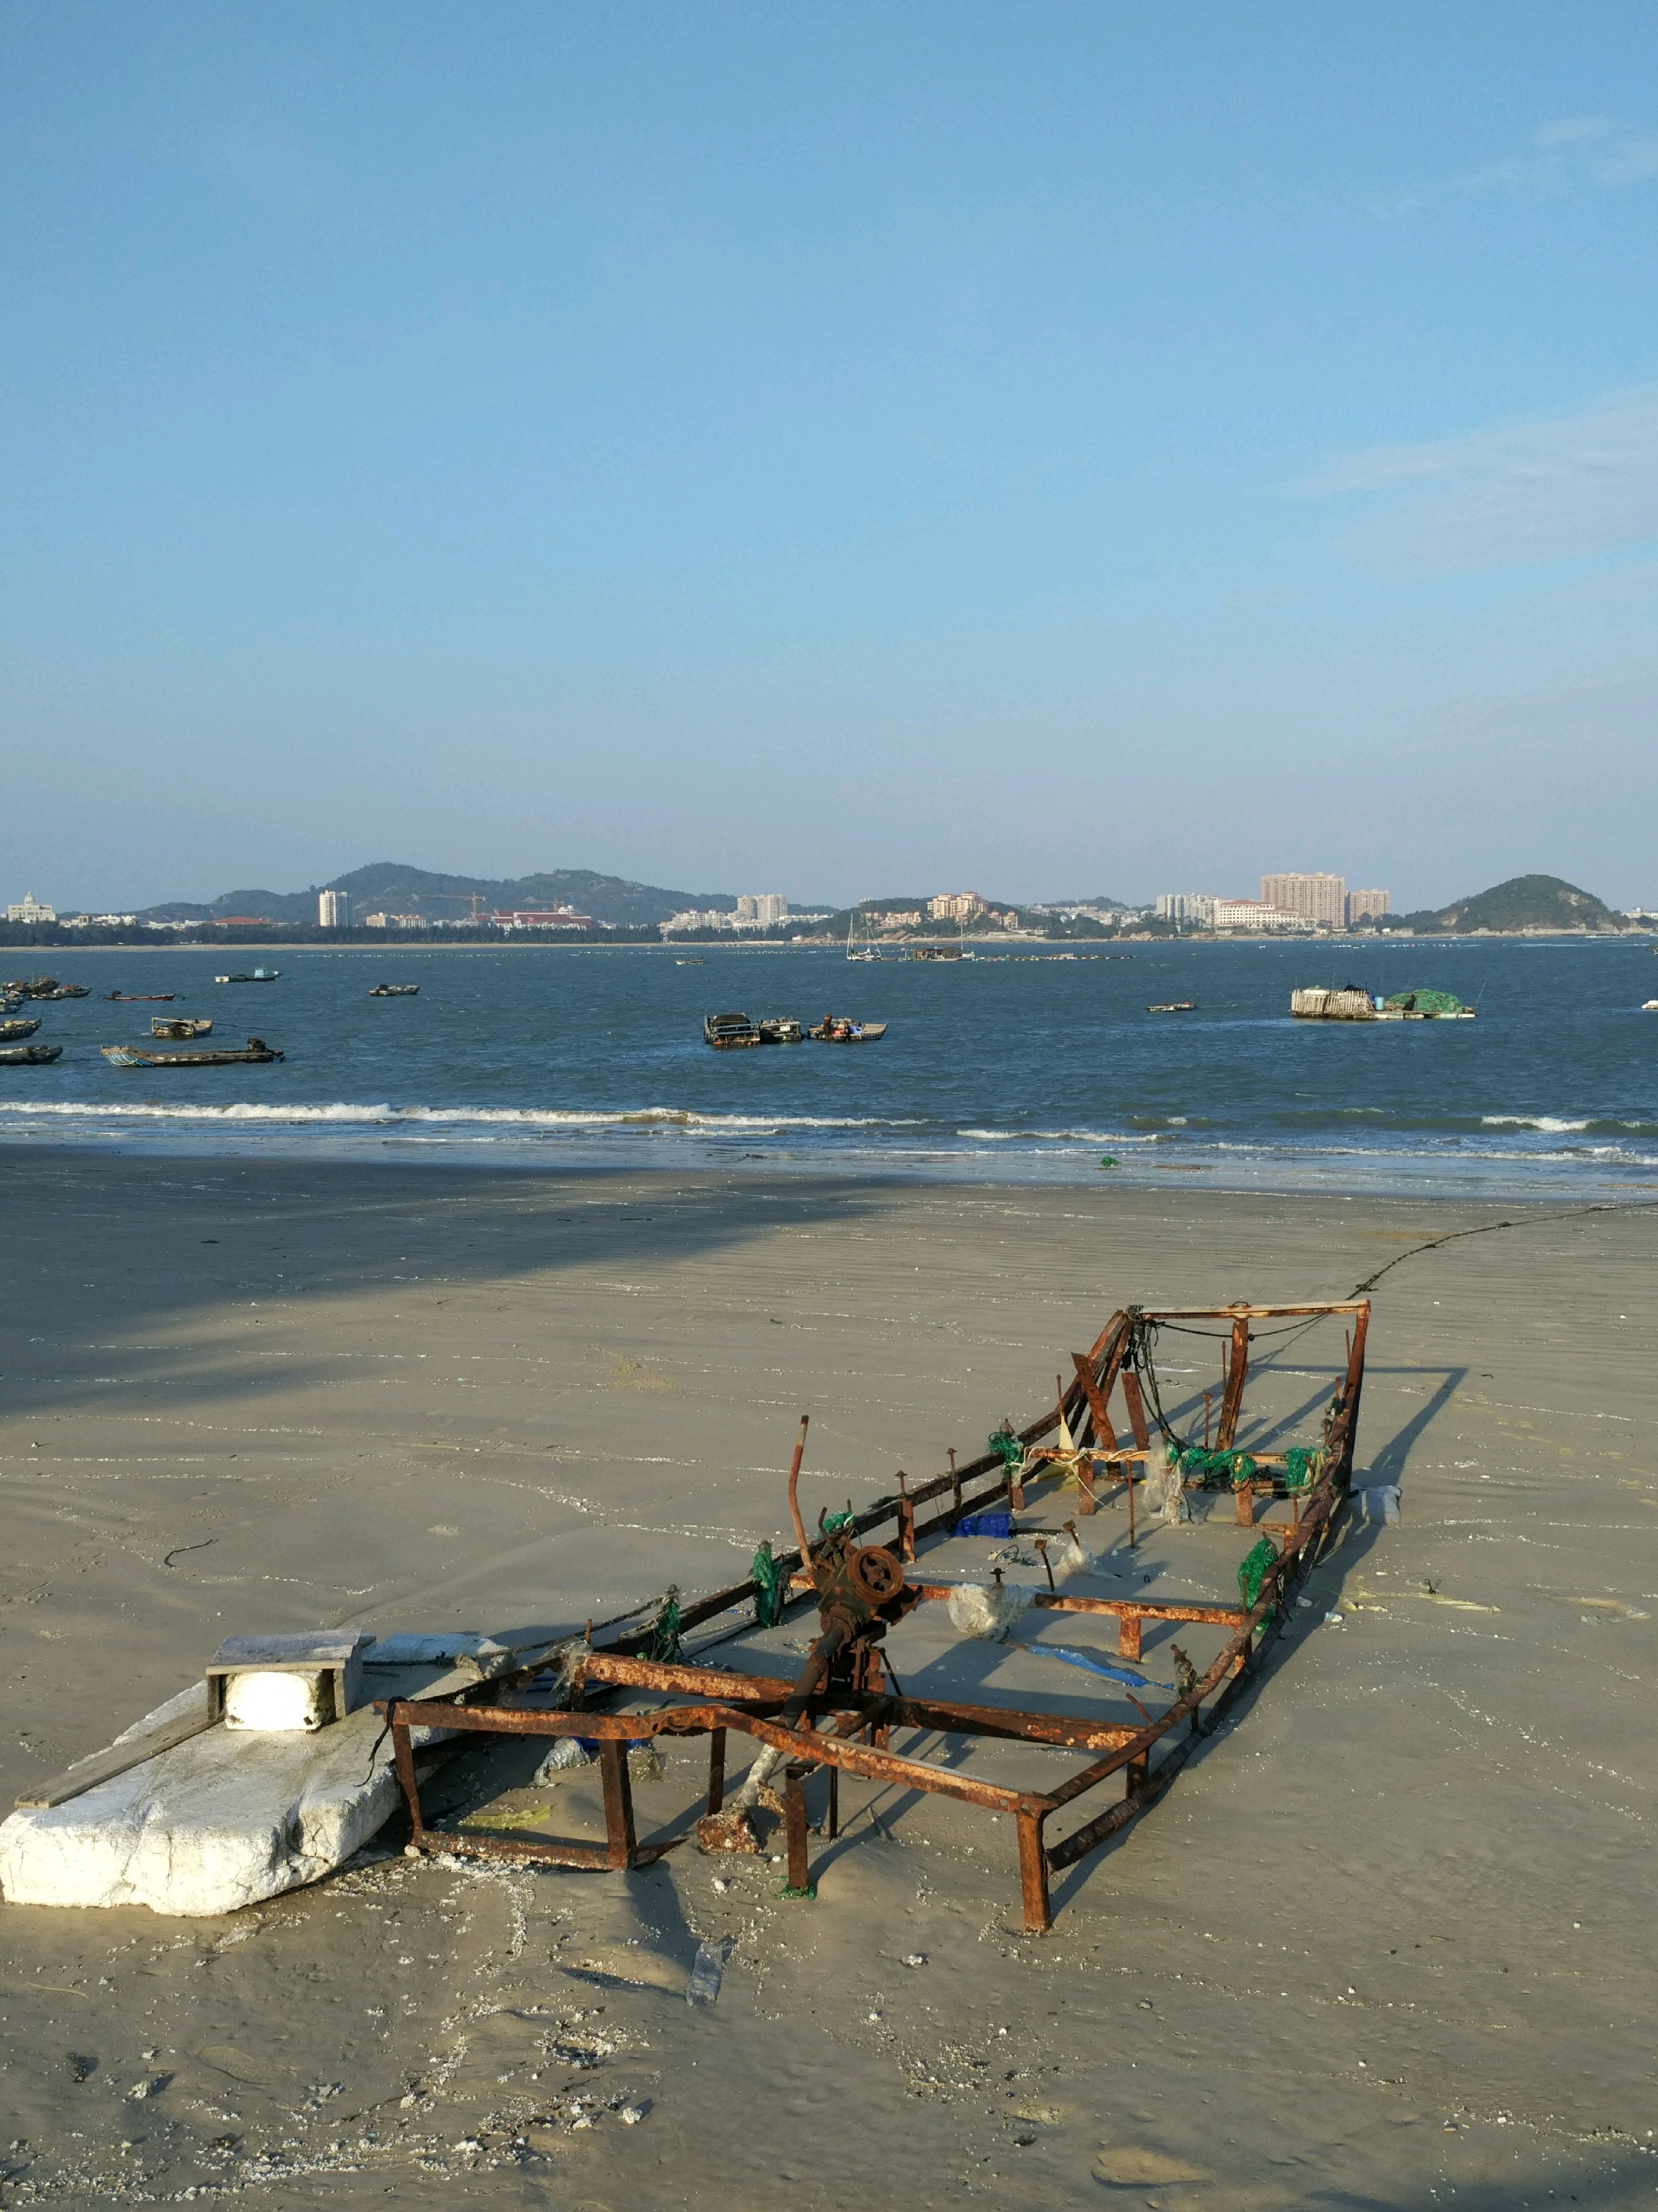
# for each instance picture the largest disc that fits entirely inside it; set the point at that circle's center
(862, 448)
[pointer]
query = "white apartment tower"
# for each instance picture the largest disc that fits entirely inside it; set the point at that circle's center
(1367, 906)
(1322, 899)
(333, 909)
(763, 907)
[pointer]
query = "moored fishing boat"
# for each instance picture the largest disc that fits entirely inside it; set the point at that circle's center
(1174, 1007)
(29, 1055)
(395, 991)
(15, 1032)
(728, 1032)
(253, 975)
(1354, 1004)
(780, 1028)
(180, 1025)
(841, 1029)
(140, 997)
(137, 1056)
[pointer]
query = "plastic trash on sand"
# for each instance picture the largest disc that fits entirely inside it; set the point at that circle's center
(1379, 1504)
(568, 1752)
(1126, 1675)
(278, 1702)
(1164, 1493)
(708, 1970)
(988, 1609)
(1075, 1557)
(998, 1522)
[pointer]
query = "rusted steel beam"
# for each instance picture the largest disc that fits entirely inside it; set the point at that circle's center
(716, 1770)
(403, 1759)
(608, 1668)
(880, 1765)
(1237, 1369)
(1254, 1312)
(794, 1828)
(1223, 1616)
(1006, 1722)
(1128, 1635)
(1136, 1403)
(1033, 1874)
(618, 1802)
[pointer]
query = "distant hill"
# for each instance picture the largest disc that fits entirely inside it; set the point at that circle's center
(393, 887)
(1522, 902)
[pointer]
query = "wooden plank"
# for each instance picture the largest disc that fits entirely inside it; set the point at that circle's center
(119, 1759)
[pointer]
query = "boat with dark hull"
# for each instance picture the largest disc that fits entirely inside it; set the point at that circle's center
(729, 1032)
(29, 1055)
(395, 991)
(255, 1052)
(253, 975)
(180, 1027)
(15, 1032)
(778, 1029)
(139, 998)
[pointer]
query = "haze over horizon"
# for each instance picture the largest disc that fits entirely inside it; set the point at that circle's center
(1055, 453)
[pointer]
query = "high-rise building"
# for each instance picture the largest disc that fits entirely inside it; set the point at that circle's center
(764, 908)
(1322, 899)
(333, 909)
(1186, 906)
(955, 906)
(1367, 906)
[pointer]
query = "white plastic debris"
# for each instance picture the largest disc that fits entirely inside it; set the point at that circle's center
(278, 1704)
(1074, 1557)
(1164, 1493)
(1379, 1504)
(568, 1752)
(988, 1609)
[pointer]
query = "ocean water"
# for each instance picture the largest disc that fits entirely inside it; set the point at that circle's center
(1037, 1068)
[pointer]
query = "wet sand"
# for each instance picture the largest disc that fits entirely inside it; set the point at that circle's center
(1388, 1935)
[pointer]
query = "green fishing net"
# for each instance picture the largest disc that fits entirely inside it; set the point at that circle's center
(1426, 1002)
(770, 1589)
(1253, 1572)
(1008, 1449)
(664, 1645)
(1302, 1466)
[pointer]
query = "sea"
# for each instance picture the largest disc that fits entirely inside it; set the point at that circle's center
(1025, 1064)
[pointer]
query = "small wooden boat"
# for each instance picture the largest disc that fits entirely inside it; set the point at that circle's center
(47, 987)
(841, 1029)
(136, 1055)
(1174, 1007)
(254, 975)
(29, 1055)
(778, 1029)
(728, 1032)
(178, 1025)
(141, 997)
(690, 964)
(15, 1032)
(395, 991)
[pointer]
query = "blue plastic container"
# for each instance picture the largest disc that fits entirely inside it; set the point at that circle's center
(986, 1524)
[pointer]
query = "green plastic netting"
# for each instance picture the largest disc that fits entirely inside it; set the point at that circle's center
(1302, 1466)
(1007, 1448)
(1254, 1572)
(1218, 1470)
(770, 1591)
(1426, 1002)
(834, 1522)
(664, 1645)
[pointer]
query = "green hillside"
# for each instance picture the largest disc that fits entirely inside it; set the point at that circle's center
(1522, 902)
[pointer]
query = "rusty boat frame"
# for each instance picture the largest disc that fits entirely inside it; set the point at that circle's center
(846, 1727)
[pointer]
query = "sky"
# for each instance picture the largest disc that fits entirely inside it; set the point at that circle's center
(838, 448)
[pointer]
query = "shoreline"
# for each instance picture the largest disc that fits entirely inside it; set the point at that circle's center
(254, 1397)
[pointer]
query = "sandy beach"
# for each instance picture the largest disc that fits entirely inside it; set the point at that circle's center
(1387, 1938)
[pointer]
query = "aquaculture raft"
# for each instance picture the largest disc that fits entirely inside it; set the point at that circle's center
(840, 1713)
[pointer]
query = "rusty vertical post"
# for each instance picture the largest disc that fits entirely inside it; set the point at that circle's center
(1128, 1636)
(1104, 1436)
(906, 1521)
(1135, 1774)
(716, 1769)
(834, 1803)
(1033, 1874)
(403, 1759)
(1207, 1395)
(1238, 1370)
(618, 1800)
(955, 1487)
(1131, 1391)
(1128, 1469)
(1351, 1394)
(794, 1828)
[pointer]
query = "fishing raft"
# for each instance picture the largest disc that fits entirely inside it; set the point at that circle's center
(838, 1716)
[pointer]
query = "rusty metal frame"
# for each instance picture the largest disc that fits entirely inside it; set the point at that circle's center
(823, 1729)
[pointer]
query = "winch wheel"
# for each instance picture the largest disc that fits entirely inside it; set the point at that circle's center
(876, 1573)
